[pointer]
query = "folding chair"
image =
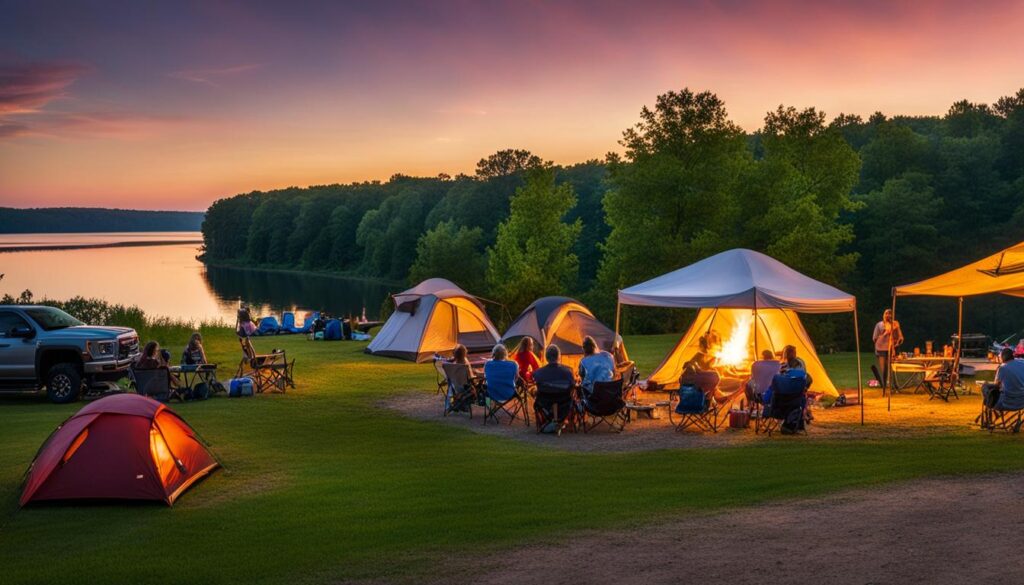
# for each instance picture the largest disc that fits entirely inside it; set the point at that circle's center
(571, 420)
(788, 399)
(761, 374)
(694, 410)
(629, 374)
(269, 371)
(156, 384)
(941, 383)
(999, 419)
(504, 395)
(461, 388)
(605, 405)
(441, 376)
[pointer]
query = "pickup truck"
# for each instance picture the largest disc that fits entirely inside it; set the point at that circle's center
(44, 347)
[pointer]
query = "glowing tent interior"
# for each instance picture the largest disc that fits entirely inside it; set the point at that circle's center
(751, 301)
(560, 321)
(125, 447)
(432, 317)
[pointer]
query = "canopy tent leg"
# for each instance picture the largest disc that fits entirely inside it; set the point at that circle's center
(618, 313)
(860, 383)
(890, 382)
(959, 340)
(757, 356)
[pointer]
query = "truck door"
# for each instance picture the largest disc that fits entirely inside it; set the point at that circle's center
(17, 354)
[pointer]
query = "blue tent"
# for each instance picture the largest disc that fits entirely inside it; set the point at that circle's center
(332, 331)
(268, 326)
(288, 322)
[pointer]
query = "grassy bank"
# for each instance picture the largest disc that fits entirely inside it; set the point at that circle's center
(322, 484)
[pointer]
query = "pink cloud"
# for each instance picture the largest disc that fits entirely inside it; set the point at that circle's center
(28, 87)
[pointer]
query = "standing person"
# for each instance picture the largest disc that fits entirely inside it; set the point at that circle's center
(526, 359)
(596, 365)
(887, 337)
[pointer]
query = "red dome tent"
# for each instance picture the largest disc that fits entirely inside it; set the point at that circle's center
(123, 447)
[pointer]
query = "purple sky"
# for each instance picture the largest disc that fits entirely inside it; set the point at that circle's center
(172, 105)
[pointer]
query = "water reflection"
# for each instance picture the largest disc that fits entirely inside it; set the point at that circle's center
(273, 292)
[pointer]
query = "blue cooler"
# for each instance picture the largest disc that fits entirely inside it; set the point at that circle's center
(240, 387)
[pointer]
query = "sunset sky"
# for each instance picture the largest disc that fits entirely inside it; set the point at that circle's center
(172, 105)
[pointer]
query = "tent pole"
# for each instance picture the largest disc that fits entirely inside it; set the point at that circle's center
(890, 381)
(856, 345)
(959, 339)
(757, 356)
(618, 313)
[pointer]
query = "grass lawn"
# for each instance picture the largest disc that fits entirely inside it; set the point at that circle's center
(320, 484)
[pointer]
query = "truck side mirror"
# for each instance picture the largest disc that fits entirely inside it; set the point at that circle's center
(23, 332)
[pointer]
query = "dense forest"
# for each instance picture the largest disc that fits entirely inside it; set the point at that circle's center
(93, 219)
(861, 204)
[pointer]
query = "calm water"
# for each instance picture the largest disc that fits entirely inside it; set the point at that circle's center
(168, 281)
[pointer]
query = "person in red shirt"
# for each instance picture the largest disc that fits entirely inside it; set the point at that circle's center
(526, 359)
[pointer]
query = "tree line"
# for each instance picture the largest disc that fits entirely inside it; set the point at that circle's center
(860, 204)
(93, 219)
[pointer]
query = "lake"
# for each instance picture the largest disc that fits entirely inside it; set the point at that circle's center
(166, 280)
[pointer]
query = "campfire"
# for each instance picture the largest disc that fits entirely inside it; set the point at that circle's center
(735, 350)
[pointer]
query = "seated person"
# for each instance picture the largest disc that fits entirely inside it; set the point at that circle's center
(787, 385)
(194, 354)
(501, 373)
(554, 390)
(761, 374)
(152, 358)
(596, 365)
(702, 361)
(1007, 391)
(526, 359)
(709, 382)
(791, 362)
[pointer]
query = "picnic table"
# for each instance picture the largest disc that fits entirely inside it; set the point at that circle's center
(191, 376)
(916, 368)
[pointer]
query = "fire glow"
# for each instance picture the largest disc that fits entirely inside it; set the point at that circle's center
(735, 349)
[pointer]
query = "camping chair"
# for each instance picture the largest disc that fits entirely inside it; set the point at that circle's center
(788, 400)
(629, 375)
(269, 371)
(941, 383)
(761, 374)
(155, 383)
(571, 420)
(461, 388)
(504, 395)
(605, 405)
(997, 419)
(694, 410)
(441, 376)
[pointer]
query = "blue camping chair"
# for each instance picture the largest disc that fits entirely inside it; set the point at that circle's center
(332, 331)
(307, 324)
(288, 322)
(785, 406)
(694, 408)
(269, 326)
(504, 393)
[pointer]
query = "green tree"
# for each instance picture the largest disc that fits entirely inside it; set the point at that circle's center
(452, 253)
(672, 198)
(508, 162)
(532, 256)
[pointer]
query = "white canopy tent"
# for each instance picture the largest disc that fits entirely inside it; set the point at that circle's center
(744, 280)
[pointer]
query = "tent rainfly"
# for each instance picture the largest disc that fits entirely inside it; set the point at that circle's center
(736, 291)
(1000, 273)
(560, 321)
(125, 447)
(431, 318)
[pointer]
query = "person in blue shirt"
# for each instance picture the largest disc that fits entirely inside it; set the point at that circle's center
(501, 373)
(596, 365)
(1007, 391)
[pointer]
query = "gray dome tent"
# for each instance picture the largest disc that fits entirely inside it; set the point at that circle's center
(560, 321)
(432, 317)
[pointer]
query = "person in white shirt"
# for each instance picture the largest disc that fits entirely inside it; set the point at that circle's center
(887, 331)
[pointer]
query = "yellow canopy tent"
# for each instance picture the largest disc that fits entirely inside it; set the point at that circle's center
(1000, 273)
(776, 328)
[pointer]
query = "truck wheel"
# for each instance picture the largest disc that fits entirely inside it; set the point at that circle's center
(63, 383)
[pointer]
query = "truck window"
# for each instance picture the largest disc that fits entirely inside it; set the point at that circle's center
(8, 321)
(50, 318)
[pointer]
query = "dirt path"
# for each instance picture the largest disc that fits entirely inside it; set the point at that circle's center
(933, 531)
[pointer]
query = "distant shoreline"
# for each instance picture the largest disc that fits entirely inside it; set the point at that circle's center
(52, 247)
